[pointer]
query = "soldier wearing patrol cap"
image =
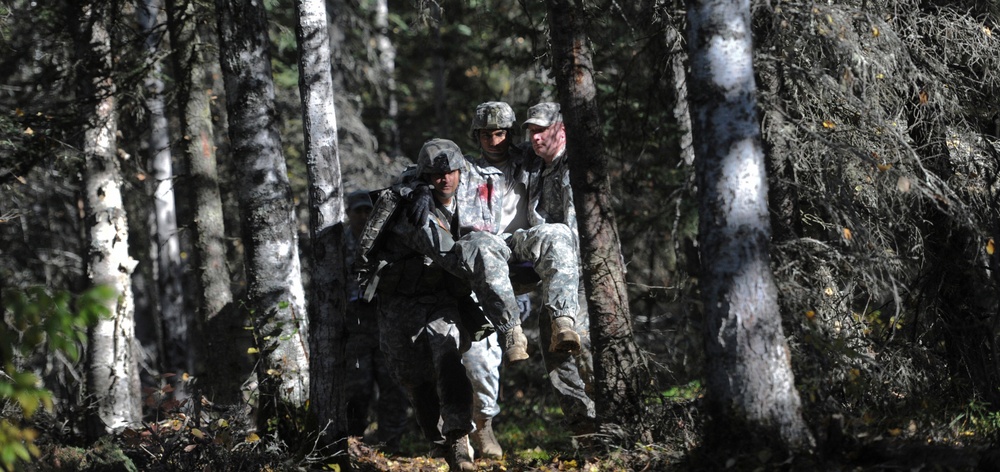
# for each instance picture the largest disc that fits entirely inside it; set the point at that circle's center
(537, 249)
(552, 200)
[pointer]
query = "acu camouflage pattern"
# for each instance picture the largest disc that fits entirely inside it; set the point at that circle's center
(482, 364)
(463, 245)
(422, 341)
(439, 156)
(553, 197)
(367, 366)
(492, 115)
(544, 114)
(365, 262)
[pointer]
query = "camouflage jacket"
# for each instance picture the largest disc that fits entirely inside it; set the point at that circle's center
(552, 199)
(518, 176)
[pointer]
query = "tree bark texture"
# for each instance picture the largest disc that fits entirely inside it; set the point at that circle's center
(275, 298)
(112, 367)
(201, 187)
(750, 386)
(175, 355)
(620, 370)
(327, 303)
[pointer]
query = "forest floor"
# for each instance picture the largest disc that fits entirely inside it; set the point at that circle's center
(530, 430)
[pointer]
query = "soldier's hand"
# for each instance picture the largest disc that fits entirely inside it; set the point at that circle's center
(420, 201)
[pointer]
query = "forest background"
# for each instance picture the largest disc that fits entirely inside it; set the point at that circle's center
(879, 120)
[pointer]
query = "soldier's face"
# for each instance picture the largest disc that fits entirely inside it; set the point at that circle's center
(547, 142)
(445, 184)
(494, 142)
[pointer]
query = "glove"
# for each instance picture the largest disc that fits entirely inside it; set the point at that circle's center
(420, 201)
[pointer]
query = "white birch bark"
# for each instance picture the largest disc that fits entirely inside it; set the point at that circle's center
(748, 377)
(275, 296)
(112, 367)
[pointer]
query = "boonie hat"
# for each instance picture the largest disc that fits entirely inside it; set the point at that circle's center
(544, 114)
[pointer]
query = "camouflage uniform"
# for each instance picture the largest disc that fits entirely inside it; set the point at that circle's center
(424, 296)
(366, 364)
(552, 202)
(551, 250)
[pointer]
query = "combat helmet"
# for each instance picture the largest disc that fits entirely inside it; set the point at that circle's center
(439, 156)
(492, 115)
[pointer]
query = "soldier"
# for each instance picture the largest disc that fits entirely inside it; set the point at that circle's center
(431, 256)
(552, 202)
(368, 376)
(538, 248)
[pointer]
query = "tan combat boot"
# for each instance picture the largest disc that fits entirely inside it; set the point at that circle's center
(564, 337)
(484, 441)
(516, 345)
(457, 455)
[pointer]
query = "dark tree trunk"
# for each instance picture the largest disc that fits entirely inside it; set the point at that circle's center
(166, 251)
(201, 188)
(620, 370)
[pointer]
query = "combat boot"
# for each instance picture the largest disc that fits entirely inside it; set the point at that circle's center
(564, 337)
(516, 345)
(484, 441)
(457, 455)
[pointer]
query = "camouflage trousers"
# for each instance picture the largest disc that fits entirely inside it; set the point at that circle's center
(368, 379)
(482, 365)
(482, 260)
(571, 374)
(550, 248)
(479, 258)
(421, 341)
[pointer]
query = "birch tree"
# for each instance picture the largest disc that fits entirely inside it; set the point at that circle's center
(327, 303)
(620, 369)
(112, 367)
(275, 297)
(750, 387)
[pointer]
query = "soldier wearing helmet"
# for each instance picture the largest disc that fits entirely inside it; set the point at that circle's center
(432, 265)
(492, 128)
(543, 254)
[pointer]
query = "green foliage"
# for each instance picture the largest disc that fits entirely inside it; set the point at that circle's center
(688, 391)
(978, 419)
(37, 321)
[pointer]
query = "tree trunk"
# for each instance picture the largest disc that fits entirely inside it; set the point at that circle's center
(207, 224)
(175, 355)
(620, 370)
(112, 367)
(327, 303)
(275, 298)
(750, 387)
(387, 61)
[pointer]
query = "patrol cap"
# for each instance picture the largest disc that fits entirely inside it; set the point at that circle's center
(544, 114)
(439, 156)
(492, 115)
(358, 199)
